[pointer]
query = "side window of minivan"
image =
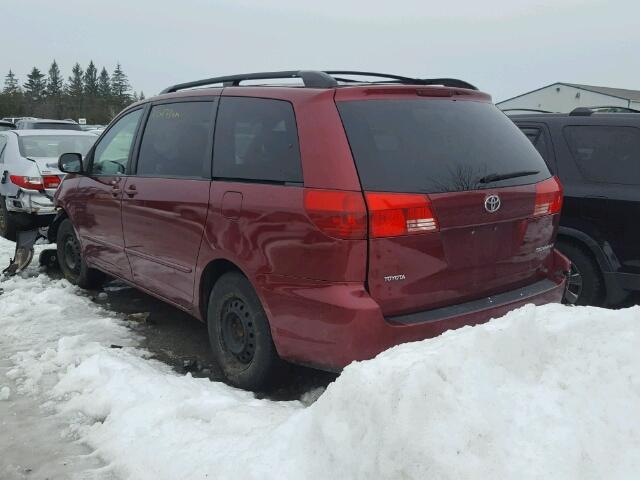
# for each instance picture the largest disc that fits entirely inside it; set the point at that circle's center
(111, 154)
(606, 154)
(177, 141)
(257, 140)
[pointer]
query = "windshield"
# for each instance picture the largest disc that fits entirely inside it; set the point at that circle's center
(52, 146)
(433, 146)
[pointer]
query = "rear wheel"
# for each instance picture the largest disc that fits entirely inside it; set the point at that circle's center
(239, 334)
(8, 224)
(71, 261)
(584, 285)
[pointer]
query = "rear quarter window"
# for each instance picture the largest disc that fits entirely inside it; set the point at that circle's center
(433, 146)
(606, 154)
(257, 140)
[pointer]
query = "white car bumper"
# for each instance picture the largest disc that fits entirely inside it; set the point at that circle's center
(32, 202)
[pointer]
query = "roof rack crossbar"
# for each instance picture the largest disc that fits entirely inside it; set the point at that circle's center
(310, 78)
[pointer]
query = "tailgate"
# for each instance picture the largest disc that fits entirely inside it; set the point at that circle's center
(460, 203)
(473, 253)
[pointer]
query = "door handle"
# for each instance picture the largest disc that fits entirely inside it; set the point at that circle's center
(131, 190)
(115, 191)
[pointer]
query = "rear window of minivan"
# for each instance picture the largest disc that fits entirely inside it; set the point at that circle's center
(434, 146)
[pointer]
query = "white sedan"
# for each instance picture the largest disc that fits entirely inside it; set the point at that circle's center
(29, 174)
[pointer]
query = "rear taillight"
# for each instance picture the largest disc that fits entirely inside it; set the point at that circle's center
(36, 183)
(28, 183)
(395, 214)
(339, 214)
(548, 197)
(51, 181)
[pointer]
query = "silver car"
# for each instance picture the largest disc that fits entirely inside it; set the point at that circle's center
(29, 174)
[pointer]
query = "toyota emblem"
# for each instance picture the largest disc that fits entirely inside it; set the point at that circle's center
(492, 203)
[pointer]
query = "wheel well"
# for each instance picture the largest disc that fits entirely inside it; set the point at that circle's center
(576, 242)
(210, 276)
(52, 232)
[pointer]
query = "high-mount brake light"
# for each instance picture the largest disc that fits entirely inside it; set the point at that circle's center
(397, 214)
(548, 197)
(338, 213)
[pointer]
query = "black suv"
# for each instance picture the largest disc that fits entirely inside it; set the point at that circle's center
(597, 157)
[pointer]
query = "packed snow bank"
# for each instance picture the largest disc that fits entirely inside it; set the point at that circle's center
(549, 392)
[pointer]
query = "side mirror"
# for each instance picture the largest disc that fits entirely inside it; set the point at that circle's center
(70, 163)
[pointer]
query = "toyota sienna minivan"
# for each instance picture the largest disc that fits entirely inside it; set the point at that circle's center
(317, 222)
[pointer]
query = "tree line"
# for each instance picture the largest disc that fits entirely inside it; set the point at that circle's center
(98, 97)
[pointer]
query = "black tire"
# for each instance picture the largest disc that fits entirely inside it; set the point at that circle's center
(8, 223)
(72, 264)
(239, 334)
(585, 284)
(49, 258)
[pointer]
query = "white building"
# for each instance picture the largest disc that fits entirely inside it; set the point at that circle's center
(564, 97)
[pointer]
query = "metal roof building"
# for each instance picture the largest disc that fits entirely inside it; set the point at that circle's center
(564, 97)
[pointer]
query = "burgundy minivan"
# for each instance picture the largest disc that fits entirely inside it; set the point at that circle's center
(318, 223)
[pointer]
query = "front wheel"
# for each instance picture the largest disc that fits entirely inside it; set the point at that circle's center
(72, 264)
(239, 334)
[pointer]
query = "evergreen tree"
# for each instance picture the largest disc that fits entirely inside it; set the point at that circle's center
(142, 97)
(75, 93)
(75, 87)
(89, 94)
(91, 80)
(11, 85)
(55, 83)
(104, 84)
(35, 86)
(11, 98)
(55, 89)
(120, 87)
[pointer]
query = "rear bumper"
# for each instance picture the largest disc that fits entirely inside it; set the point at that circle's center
(330, 325)
(31, 202)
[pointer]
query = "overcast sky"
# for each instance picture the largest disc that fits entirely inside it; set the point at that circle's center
(504, 47)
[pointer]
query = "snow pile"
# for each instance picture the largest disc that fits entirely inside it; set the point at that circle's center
(544, 392)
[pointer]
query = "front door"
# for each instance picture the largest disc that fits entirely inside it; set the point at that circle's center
(98, 206)
(164, 207)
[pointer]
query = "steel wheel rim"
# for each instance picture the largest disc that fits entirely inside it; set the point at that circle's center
(237, 330)
(574, 285)
(71, 250)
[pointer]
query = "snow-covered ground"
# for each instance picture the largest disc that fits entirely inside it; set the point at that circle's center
(547, 392)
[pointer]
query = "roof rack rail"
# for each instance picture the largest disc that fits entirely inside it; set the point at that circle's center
(310, 78)
(317, 79)
(612, 109)
(536, 110)
(447, 82)
(581, 112)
